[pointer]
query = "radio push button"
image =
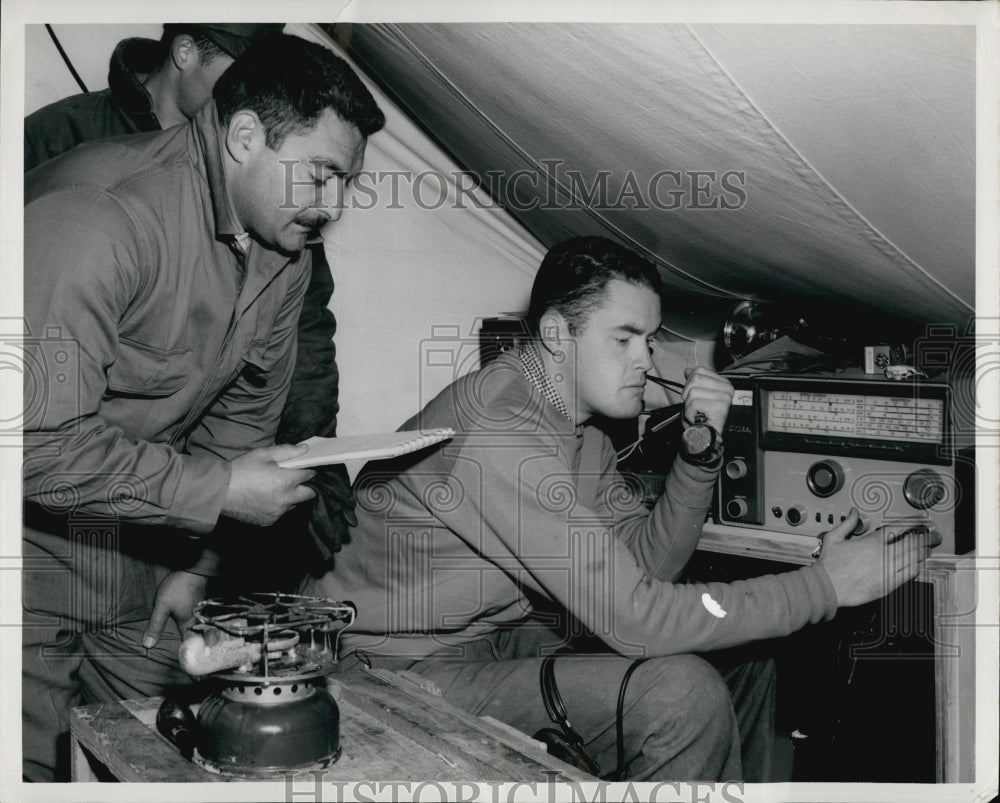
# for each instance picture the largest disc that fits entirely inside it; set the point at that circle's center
(825, 478)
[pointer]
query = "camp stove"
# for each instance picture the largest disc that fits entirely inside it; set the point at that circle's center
(272, 713)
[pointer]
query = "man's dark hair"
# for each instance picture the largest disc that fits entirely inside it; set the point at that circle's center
(289, 83)
(208, 50)
(574, 274)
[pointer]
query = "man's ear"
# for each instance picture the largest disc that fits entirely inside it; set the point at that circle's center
(244, 135)
(553, 330)
(184, 52)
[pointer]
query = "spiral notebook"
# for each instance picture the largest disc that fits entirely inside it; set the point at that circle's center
(328, 451)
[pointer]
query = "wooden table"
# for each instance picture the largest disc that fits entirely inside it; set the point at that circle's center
(954, 582)
(391, 726)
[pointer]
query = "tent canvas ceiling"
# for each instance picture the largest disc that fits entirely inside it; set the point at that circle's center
(844, 153)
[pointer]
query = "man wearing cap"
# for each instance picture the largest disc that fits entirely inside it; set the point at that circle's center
(164, 275)
(151, 85)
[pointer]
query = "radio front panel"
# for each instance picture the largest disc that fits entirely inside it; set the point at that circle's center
(801, 453)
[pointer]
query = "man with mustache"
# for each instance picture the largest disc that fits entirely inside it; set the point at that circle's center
(158, 84)
(165, 273)
(479, 557)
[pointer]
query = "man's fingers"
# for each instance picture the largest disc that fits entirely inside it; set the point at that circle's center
(350, 516)
(908, 552)
(320, 543)
(299, 476)
(154, 628)
(844, 528)
(282, 451)
(302, 493)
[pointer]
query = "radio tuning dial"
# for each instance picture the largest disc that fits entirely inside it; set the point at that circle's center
(924, 488)
(825, 478)
(795, 515)
(736, 468)
(737, 508)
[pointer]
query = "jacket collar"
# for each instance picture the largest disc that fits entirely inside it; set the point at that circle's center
(558, 419)
(209, 136)
(534, 372)
(259, 265)
(131, 63)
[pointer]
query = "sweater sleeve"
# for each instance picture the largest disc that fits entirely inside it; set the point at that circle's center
(662, 541)
(571, 553)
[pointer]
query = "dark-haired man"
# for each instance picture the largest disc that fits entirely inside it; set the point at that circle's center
(461, 546)
(173, 280)
(158, 84)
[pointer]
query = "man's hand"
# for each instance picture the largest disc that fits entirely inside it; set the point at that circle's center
(708, 393)
(260, 491)
(332, 511)
(176, 597)
(867, 567)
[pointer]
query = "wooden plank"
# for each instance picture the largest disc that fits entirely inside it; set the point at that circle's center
(954, 583)
(371, 748)
(484, 751)
(753, 543)
(390, 727)
(80, 770)
(130, 749)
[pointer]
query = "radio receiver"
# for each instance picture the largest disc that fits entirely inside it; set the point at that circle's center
(801, 451)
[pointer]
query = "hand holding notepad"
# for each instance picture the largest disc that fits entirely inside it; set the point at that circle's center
(328, 451)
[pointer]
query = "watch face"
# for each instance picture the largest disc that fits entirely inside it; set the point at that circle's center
(701, 444)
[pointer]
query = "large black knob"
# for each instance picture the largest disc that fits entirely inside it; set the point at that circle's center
(825, 478)
(795, 515)
(924, 488)
(737, 508)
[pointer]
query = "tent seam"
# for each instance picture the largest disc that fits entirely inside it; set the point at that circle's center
(811, 175)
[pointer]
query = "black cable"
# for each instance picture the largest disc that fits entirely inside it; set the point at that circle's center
(666, 383)
(556, 710)
(65, 58)
(620, 722)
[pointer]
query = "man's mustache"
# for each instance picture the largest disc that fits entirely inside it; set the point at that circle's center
(312, 221)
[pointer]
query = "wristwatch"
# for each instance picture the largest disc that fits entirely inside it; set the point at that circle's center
(701, 444)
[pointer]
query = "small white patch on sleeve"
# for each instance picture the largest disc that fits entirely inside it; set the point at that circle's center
(712, 606)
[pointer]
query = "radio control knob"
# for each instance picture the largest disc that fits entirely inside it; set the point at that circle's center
(795, 515)
(825, 478)
(861, 527)
(737, 508)
(736, 468)
(924, 488)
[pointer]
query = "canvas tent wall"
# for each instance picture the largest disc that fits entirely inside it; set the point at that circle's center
(748, 161)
